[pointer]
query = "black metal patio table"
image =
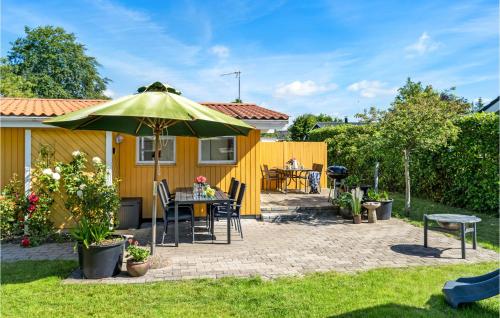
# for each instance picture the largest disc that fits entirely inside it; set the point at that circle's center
(288, 174)
(461, 220)
(186, 196)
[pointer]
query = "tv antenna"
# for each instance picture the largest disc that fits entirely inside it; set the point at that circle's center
(238, 76)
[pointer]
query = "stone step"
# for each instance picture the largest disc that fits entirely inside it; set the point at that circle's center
(295, 214)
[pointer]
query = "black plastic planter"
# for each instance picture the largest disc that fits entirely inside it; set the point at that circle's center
(384, 212)
(346, 213)
(101, 261)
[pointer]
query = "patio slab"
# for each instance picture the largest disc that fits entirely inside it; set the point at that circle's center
(278, 201)
(290, 248)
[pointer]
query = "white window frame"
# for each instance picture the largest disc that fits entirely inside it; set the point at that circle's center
(217, 162)
(147, 162)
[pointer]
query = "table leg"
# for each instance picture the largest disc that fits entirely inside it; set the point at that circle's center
(462, 237)
(426, 225)
(228, 223)
(474, 236)
(176, 224)
(212, 223)
(286, 182)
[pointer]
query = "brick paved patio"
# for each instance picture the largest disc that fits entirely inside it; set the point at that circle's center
(289, 248)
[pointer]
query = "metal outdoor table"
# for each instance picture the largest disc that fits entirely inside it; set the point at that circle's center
(290, 174)
(462, 220)
(185, 196)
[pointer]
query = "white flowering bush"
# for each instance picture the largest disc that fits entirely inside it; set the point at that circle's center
(89, 195)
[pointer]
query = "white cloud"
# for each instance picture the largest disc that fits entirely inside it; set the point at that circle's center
(423, 45)
(371, 89)
(306, 88)
(220, 51)
(109, 93)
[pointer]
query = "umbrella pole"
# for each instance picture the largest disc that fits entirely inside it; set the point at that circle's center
(155, 190)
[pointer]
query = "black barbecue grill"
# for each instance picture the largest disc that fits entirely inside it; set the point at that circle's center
(335, 176)
(337, 172)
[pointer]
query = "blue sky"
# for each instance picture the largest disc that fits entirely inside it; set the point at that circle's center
(335, 57)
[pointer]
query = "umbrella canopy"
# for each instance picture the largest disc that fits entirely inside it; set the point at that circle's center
(155, 106)
(157, 109)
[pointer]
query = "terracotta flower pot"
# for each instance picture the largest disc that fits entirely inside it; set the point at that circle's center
(356, 219)
(136, 269)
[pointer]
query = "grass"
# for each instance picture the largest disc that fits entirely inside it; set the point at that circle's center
(487, 229)
(34, 289)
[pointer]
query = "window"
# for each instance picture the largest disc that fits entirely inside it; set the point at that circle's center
(145, 150)
(217, 150)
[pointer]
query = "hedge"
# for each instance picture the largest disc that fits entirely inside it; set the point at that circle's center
(463, 174)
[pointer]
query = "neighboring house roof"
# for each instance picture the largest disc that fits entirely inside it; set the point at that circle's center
(246, 111)
(492, 106)
(322, 124)
(46, 107)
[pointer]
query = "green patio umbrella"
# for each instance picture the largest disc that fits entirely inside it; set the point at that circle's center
(157, 109)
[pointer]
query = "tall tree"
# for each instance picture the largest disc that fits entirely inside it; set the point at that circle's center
(419, 118)
(370, 116)
(55, 64)
(304, 123)
(13, 85)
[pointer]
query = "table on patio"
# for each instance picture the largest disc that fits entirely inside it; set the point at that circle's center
(288, 174)
(461, 220)
(185, 196)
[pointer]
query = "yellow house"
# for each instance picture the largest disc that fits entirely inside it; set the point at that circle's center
(130, 159)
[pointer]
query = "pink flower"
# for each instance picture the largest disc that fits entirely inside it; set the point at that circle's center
(201, 179)
(33, 198)
(31, 208)
(25, 242)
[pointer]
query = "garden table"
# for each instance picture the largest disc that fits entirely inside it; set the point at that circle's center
(462, 220)
(288, 174)
(185, 196)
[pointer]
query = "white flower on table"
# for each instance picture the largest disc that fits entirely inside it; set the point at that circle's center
(96, 160)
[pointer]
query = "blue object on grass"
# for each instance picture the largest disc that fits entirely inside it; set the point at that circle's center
(471, 289)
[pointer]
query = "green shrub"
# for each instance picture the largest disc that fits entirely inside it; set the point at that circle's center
(350, 146)
(462, 174)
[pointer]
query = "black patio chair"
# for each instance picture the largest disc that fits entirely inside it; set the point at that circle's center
(185, 212)
(233, 189)
(229, 192)
(234, 209)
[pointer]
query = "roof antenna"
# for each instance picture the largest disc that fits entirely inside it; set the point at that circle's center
(238, 76)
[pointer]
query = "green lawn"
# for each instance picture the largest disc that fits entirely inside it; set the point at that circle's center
(487, 229)
(34, 289)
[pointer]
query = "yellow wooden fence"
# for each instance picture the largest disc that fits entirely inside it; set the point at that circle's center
(276, 154)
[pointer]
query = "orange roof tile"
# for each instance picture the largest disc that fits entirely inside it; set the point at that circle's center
(47, 107)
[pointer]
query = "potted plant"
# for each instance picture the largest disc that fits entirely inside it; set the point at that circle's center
(138, 262)
(343, 201)
(356, 199)
(100, 252)
(384, 212)
(93, 201)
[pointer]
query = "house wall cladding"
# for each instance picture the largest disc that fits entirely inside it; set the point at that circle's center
(12, 154)
(64, 142)
(136, 180)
